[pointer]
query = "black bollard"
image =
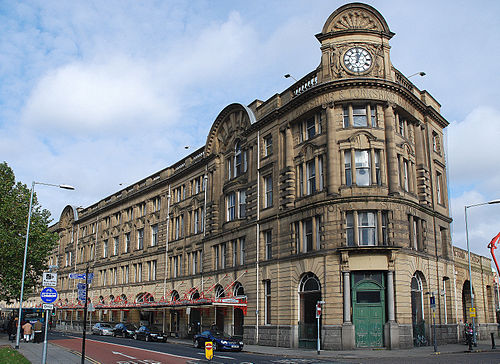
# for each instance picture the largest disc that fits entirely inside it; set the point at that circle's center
(493, 341)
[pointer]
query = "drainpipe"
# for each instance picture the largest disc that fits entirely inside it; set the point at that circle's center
(258, 239)
(166, 256)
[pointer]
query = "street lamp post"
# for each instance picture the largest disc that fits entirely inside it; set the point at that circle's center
(470, 270)
(66, 187)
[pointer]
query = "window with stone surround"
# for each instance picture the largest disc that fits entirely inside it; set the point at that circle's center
(366, 171)
(359, 116)
(310, 127)
(365, 228)
(306, 234)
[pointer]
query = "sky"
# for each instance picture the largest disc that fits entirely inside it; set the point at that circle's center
(100, 94)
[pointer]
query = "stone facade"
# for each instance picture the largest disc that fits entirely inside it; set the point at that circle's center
(334, 190)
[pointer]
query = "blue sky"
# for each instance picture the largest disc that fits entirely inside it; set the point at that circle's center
(101, 93)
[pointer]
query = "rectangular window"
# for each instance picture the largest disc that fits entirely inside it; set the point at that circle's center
(242, 203)
(359, 116)
(116, 243)
(347, 163)
(234, 249)
(177, 227)
(152, 270)
(196, 221)
(140, 239)
(311, 177)
(216, 257)
(176, 266)
(362, 159)
(300, 172)
(404, 176)
(373, 115)
(242, 251)
(195, 262)
(321, 173)
(139, 272)
(401, 127)
(385, 223)
(154, 235)
(307, 228)
(439, 190)
(268, 145)
(268, 239)
(156, 204)
(367, 228)
(127, 242)
(268, 182)
(223, 256)
(345, 116)
(267, 297)
(231, 206)
(142, 209)
(104, 249)
(310, 128)
(377, 167)
(229, 165)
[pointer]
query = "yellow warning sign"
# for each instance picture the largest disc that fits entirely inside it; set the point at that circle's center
(209, 353)
(472, 312)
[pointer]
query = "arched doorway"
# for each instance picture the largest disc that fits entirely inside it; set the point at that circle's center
(194, 315)
(174, 314)
(239, 317)
(368, 308)
(309, 295)
(417, 309)
(219, 311)
(466, 301)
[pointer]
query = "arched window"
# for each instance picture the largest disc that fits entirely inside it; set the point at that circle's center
(174, 296)
(219, 291)
(417, 298)
(195, 295)
(111, 298)
(101, 299)
(123, 297)
(309, 283)
(238, 289)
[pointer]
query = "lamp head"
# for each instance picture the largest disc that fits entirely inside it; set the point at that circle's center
(67, 187)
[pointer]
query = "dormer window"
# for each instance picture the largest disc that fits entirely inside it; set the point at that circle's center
(237, 164)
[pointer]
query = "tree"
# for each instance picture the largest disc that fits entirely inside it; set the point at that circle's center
(14, 205)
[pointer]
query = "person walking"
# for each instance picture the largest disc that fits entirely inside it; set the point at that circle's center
(11, 328)
(27, 329)
(38, 327)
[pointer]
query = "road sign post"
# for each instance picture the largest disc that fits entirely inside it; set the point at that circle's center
(48, 295)
(86, 286)
(318, 317)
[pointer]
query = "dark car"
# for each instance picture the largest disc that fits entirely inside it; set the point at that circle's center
(220, 341)
(124, 330)
(150, 334)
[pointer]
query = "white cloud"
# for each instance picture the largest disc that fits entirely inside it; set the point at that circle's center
(92, 98)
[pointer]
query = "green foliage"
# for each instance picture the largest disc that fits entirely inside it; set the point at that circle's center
(11, 356)
(14, 205)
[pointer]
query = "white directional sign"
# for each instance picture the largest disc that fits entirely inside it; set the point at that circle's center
(48, 306)
(49, 279)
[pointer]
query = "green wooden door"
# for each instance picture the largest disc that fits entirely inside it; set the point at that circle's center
(369, 313)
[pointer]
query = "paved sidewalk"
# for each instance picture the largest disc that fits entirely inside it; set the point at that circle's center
(425, 351)
(33, 352)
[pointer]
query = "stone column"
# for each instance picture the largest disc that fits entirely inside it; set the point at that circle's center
(391, 329)
(348, 334)
(390, 295)
(333, 176)
(347, 297)
(390, 146)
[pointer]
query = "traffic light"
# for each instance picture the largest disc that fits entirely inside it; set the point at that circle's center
(53, 313)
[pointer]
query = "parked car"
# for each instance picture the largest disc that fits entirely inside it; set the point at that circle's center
(220, 341)
(102, 328)
(150, 334)
(124, 330)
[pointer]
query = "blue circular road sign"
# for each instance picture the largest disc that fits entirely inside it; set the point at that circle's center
(48, 295)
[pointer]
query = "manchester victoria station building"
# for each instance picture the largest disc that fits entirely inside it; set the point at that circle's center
(332, 191)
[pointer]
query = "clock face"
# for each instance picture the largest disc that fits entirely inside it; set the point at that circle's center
(357, 59)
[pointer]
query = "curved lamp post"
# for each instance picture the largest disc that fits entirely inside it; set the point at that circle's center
(66, 187)
(470, 270)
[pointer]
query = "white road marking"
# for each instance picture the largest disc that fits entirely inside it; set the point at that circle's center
(127, 356)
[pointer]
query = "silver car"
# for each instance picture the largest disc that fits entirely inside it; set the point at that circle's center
(102, 328)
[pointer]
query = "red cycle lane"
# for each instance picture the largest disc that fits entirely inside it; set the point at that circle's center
(106, 353)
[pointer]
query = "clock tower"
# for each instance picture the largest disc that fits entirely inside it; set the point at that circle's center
(355, 43)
